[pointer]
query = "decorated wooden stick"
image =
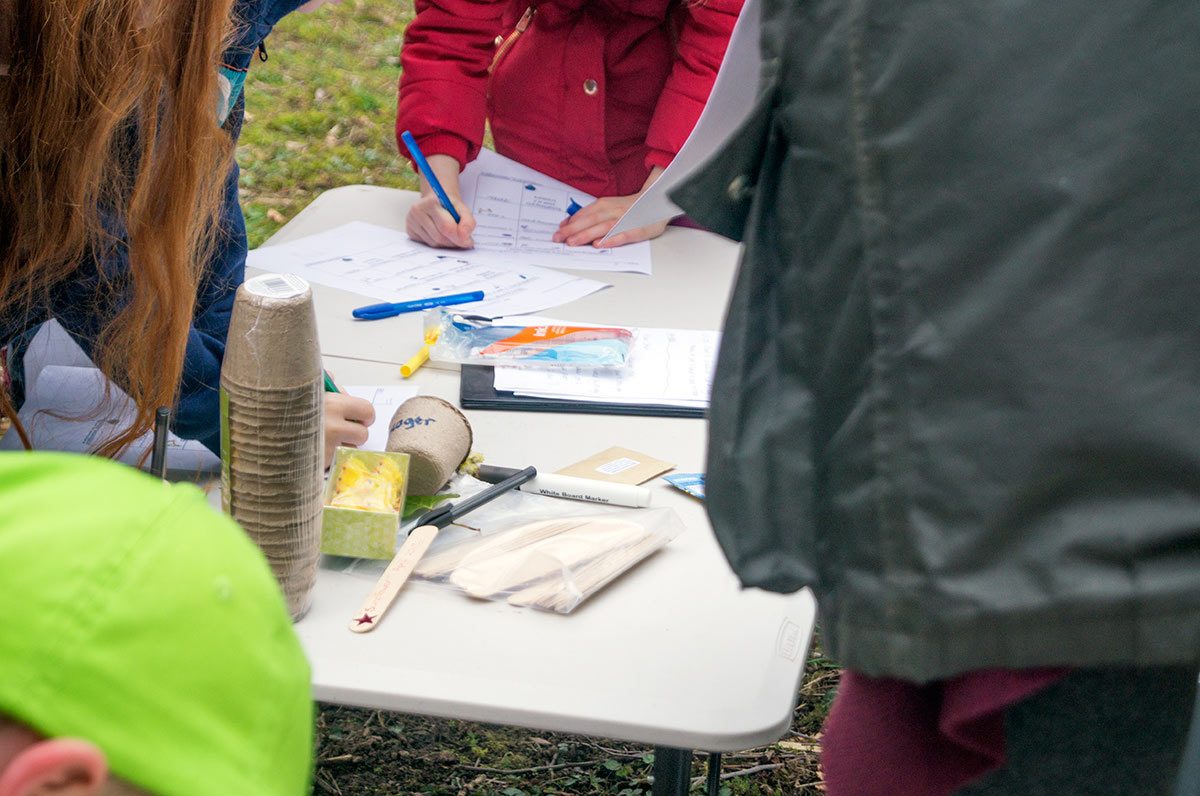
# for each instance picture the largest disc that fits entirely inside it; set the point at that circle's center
(417, 543)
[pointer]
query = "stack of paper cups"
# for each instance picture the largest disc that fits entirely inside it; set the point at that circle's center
(272, 422)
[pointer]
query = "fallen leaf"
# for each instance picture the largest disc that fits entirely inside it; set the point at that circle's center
(414, 503)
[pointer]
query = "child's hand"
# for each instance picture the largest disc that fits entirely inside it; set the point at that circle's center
(428, 222)
(593, 222)
(346, 422)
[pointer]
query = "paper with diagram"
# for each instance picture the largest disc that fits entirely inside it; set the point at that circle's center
(729, 103)
(386, 265)
(67, 407)
(517, 210)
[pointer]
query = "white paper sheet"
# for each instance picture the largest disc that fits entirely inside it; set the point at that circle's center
(517, 210)
(384, 264)
(86, 420)
(668, 367)
(385, 399)
(51, 345)
(60, 379)
(730, 102)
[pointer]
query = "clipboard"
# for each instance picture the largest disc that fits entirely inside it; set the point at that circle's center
(477, 390)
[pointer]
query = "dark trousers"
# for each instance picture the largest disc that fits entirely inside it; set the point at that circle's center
(1097, 732)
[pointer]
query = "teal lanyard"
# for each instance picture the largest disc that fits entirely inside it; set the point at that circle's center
(231, 82)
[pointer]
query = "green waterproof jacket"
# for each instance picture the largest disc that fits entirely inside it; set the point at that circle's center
(958, 394)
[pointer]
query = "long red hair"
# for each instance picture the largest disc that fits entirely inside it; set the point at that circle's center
(109, 146)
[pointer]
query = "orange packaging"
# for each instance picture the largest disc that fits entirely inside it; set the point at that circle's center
(533, 340)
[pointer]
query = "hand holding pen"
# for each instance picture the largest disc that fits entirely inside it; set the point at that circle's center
(347, 419)
(431, 220)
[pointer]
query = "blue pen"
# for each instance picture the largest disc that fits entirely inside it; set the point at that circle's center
(426, 172)
(376, 311)
(573, 208)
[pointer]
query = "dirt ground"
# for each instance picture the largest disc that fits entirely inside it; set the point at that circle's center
(376, 753)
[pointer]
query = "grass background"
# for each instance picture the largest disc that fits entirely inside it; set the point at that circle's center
(320, 113)
(321, 110)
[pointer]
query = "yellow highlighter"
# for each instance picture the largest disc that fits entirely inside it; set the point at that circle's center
(418, 359)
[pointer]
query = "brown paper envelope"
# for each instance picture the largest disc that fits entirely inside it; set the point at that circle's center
(618, 466)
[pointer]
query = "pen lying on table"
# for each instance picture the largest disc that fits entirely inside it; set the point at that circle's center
(374, 312)
(421, 357)
(158, 454)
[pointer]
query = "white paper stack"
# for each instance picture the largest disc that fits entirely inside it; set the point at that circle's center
(70, 406)
(667, 367)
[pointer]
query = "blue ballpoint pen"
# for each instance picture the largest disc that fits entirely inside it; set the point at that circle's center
(427, 173)
(376, 311)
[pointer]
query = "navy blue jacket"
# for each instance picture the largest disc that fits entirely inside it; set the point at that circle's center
(83, 308)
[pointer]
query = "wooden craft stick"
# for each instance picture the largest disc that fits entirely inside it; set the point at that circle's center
(547, 558)
(418, 542)
(443, 563)
(393, 578)
(590, 578)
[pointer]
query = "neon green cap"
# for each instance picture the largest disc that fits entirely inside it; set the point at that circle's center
(134, 616)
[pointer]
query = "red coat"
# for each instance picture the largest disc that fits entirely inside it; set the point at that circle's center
(593, 92)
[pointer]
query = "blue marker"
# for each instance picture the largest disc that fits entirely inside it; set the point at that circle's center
(376, 311)
(426, 172)
(573, 208)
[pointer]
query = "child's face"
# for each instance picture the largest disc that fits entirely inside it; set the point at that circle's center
(313, 5)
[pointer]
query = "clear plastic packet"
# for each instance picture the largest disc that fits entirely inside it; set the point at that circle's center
(510, 509)
(555, 563)
(474, 341)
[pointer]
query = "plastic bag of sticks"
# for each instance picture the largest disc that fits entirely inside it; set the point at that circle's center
(552, 564)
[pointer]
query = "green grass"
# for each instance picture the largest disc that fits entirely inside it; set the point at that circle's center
(321, 111)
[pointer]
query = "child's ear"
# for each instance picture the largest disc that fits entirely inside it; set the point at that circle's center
(55, 767)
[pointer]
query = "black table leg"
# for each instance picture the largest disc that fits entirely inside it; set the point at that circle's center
(672, 771)
(714, 773)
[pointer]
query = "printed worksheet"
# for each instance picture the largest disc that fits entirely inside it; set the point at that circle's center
(669, 367)
(386, 265)
(386, 399)
(729, 104)
(70, 412)
(68, 409)
(518, 209)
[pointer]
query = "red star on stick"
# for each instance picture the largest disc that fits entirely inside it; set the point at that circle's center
(365, 619)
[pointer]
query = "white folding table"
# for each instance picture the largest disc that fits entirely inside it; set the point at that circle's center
(673, 654)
